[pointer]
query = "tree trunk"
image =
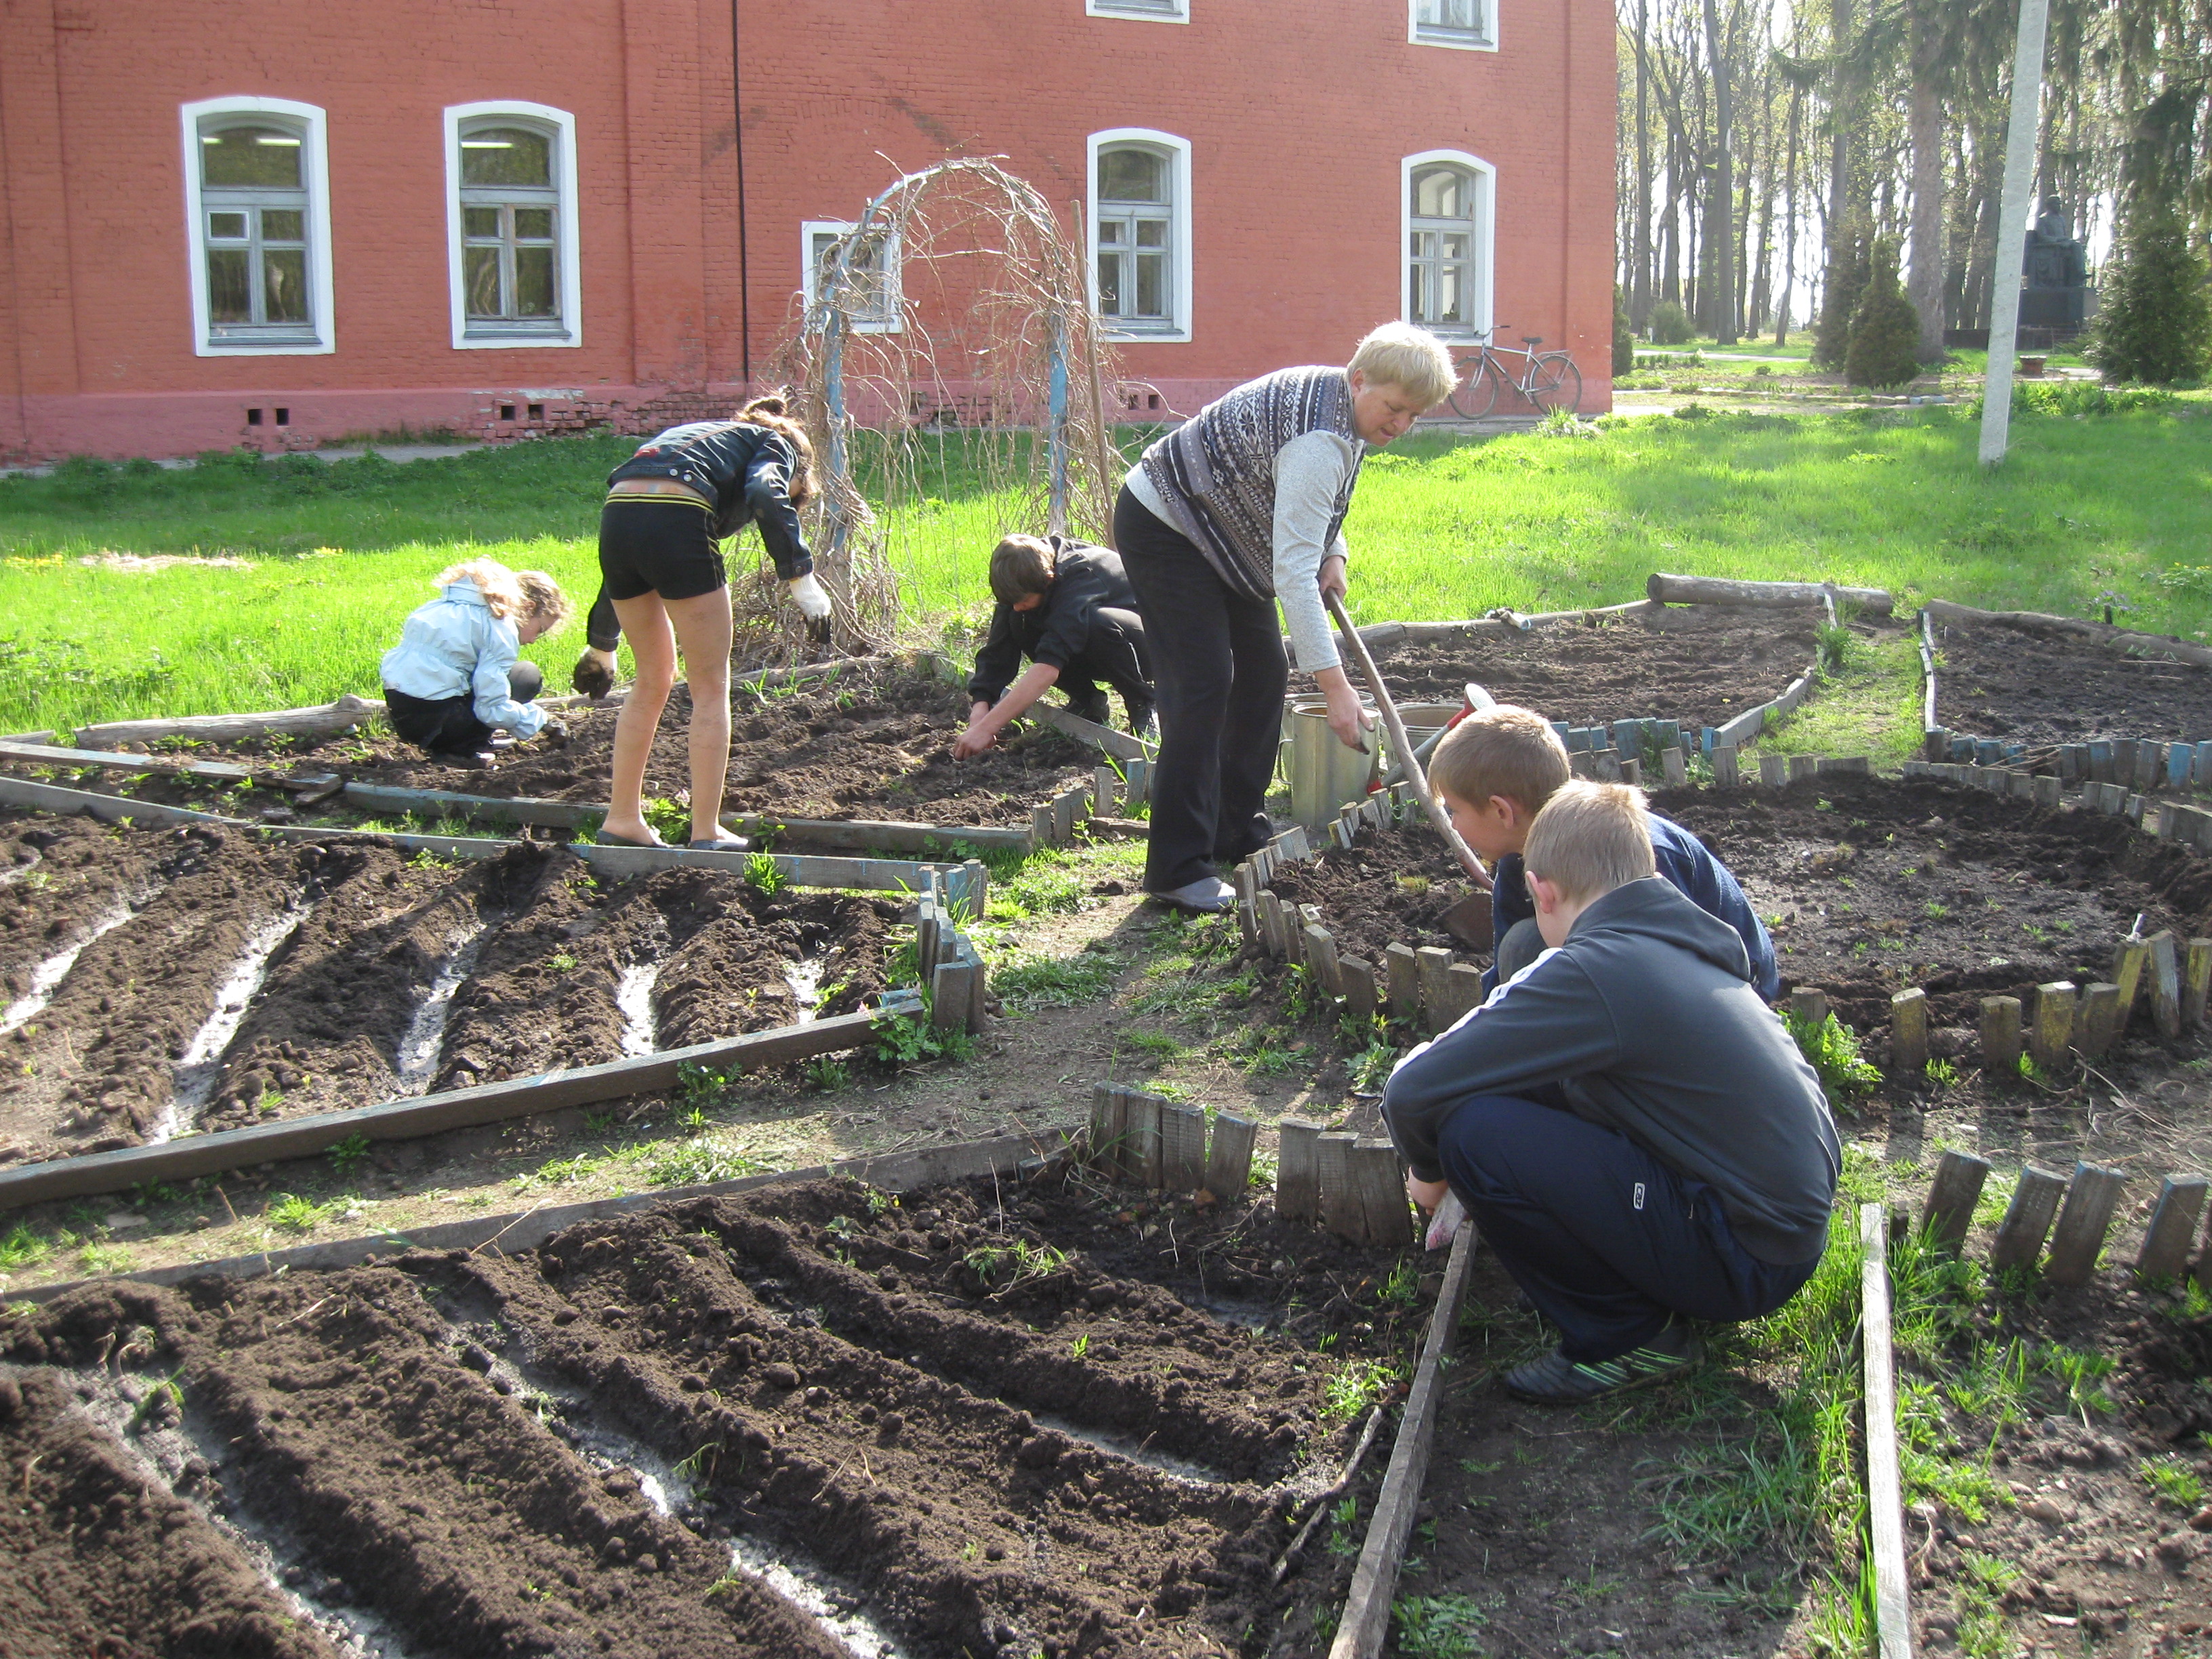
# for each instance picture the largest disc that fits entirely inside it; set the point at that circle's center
(1925, 287)
(1670, 252)
(1720, 211)
(1841, 99)
(1639, 293)
(1789, 223)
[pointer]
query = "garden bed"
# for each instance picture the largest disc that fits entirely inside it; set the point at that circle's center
(2034, 688)
(168, 981)
(1701, 665)
(1391, 885)
(755, 1425)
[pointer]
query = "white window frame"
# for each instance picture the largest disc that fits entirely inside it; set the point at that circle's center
(315, 173)
(1484, 39)
(567, 238)
(1176, 153)
(894, 279)
(1486, 237)
(1142, 11)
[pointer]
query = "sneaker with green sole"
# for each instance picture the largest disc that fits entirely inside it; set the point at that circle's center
(1556, 1380)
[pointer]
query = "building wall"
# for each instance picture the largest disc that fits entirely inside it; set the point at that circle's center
(1299, 114)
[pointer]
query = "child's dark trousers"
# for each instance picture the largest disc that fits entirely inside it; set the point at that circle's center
(449, 726)
(1608, 1241)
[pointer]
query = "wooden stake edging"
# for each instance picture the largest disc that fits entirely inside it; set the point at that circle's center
(2090, 1198)
(1885, 1490)
(2026, 1220)
(2165, 1250)
(513, 1232)
(1951, 1198)
(1366, 1618)
(426, 1114)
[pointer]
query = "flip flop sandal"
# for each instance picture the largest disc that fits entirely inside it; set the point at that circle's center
(603, 839)
(723, 844)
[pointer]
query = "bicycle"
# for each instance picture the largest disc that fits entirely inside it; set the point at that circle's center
(1549, 381)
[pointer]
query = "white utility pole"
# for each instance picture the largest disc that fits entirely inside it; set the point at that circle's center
(2012, 229)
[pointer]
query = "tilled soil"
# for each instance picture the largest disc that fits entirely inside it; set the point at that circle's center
(98, 1560)
(1870, 887)
(2091, 1553)
(1391, 886)
(1700, 664)
(1038, 1428)
(331, 958)
(874, 742)
(1999, 682)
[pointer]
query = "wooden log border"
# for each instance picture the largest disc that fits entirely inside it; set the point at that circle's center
(1885, 1486)
(426, 1114)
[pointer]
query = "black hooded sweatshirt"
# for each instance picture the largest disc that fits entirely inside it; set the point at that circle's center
(1646, 1019)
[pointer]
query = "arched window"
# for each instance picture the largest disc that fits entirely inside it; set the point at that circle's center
(255, 186)
(511, 170)
(1140, 232)
(1448, 226)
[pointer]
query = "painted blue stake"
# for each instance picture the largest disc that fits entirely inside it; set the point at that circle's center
(1056, 422)
(1962, 751)
(2180, 758)
(2203, 768)
(1670, 734)
(833, 393)
(2101, 761)
(1989, 751)
(1707, 738)
(1628, 737)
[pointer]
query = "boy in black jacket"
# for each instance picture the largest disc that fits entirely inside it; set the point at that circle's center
(1628, 1123)
(1067, 606)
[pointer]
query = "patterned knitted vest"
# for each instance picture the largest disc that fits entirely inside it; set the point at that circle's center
(1218, 468)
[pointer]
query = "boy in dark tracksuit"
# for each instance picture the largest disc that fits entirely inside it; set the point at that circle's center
(1626, 1121)
(1496, 770)
(1067, 606)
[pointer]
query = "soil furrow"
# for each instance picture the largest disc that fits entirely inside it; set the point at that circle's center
(98, 1067)
(96, 1558)
(61, 876)
(426, 1492)
(325, 1036)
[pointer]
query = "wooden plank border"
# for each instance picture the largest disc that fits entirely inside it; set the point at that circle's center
(1884, 1489)
(514, 1230)
(1366, 1618)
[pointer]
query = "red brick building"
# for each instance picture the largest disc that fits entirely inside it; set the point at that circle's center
(257, 222)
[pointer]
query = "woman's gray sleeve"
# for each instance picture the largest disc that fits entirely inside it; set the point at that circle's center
(1309, 475)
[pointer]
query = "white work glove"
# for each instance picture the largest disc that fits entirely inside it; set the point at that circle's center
(813, 604)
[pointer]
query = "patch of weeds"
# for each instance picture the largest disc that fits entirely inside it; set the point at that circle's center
(1942, 1073)
(2177, 1484)
(1438, 1627)
(295, 1215)
(1033, 982)
(1158, 1044)
(1013, 1262)
(826, 1074)
(22, 1247)
(561, 961)
(1048, 883)
(1080, 1347)
(698, 1161)
(1831, 1049)
(561, 1172)
(1358, 1385)
(670, 820)
(698, 1087)
(1401, 1288)
(903, 1041)
(2081, 1374)
(1371, 1067)
(168, 1391)
(1269, 1054)
(1180, 1093)
(763, 874)
(348, 1153)
(1983, 1632)
(1344, 1539)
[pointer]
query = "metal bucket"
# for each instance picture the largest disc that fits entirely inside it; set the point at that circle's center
(1325, 775)
(1424, 720)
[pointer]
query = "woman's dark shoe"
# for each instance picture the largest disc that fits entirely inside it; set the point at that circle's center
(1556, 1380)
(603, 839)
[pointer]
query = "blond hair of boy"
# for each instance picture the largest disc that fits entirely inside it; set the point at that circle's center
(1495, 771)
(1590, 839)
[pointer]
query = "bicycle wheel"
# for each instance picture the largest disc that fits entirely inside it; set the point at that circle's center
(1554, 382)
(1477, 395)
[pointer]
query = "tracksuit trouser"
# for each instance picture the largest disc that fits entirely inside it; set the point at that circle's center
(1608, 1241)
(449, 726)
(1116, 654)
(1219, 672)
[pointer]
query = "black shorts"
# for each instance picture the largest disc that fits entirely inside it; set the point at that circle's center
(663, 547)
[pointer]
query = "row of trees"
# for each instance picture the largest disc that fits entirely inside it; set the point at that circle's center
(1770, 148)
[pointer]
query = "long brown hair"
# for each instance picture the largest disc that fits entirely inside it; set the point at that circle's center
(769, 411)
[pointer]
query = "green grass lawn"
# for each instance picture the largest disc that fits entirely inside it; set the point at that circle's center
(334, 556)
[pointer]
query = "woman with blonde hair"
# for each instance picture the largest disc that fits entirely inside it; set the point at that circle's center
(457, 676)
(1240, 508)
(662, 582)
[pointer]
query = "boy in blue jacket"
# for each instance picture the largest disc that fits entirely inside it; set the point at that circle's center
(1495, 770)
(1627, 1121)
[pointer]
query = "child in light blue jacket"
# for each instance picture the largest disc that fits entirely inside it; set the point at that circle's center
(457, 676)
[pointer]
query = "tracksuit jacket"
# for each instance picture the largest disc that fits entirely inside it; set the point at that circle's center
(1647, 1023)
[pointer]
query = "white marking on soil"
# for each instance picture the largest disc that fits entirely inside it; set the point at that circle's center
(805, 979)
(161, 1456)
(202, 1064)
(1127, 1446)
(15, 872)
(417, 1058)
(831, 1603)
(634, 996)
(47, 976)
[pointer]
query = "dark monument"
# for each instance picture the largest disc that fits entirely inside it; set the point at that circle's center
(2055, 296)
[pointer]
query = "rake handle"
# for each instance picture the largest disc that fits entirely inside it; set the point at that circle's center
(1415, 774)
